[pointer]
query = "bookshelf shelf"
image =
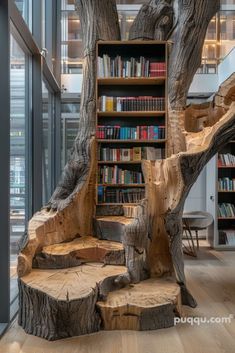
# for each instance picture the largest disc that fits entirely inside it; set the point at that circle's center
(225, 218)
(134, 114)
(221, 201)
(117, 204)
(119, 162)
(132, 75)
(130, 141)
(131, 81)
(123, 185)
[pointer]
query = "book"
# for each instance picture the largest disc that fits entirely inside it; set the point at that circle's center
(137, 154)
(125, 104)
(117, 66)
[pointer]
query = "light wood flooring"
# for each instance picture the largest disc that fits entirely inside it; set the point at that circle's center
(211, 278)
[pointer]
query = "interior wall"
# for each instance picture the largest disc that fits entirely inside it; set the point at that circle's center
(196, 200)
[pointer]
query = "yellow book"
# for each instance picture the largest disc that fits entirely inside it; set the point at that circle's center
(109, 104)
(136, 153)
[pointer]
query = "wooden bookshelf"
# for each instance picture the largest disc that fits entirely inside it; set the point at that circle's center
(112, 85)
(130, 141)
(123, 185)
(224, 224)
(131, 81)
(119, 162)
(225, 218)
(134, 114)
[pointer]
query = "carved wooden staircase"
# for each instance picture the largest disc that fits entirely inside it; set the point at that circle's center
(82, 285)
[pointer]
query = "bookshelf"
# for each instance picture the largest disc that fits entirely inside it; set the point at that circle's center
(131, 119)
(223, 235)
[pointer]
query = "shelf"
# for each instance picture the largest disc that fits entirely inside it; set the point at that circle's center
(131, 114)
(226, 191)
(130, 141)
(123, 185)
(131, 81)
(225, 218)
(131, 42)
(117, 204)
(119, 162)
(226, 166)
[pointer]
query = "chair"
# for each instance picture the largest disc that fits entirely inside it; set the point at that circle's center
(196, 224)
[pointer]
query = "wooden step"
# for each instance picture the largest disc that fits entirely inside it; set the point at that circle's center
(56, 304)
(148, 305)
(78, 251)
(111, 227)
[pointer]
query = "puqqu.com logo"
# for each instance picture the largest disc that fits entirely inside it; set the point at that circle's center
(203, 320)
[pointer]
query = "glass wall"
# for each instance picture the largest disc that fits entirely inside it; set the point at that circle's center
(48, 160)
(71, 41)
(70, 120)
(25, 8)
(227, 32)
(19, 119)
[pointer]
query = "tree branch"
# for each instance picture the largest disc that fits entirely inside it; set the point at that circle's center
(154, 21)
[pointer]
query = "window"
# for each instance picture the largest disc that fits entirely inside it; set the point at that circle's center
(70, 119)
(25, 8)
(19, 118)
(71, 40)
(48, 157)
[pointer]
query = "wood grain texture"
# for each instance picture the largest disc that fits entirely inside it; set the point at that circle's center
(210, 278)
(75, 196)
(152, 239)
(148, 305)
(153, 21)
(193, 19)
(133, 233)
(80, 250)
(61, 303)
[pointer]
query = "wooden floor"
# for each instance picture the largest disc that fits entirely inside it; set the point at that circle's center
(211, 278)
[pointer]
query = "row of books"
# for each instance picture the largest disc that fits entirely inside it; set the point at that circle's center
(226, 159)
(128, 104)
(130, 133)
(226, 210)
(131, 67)
(130, 154)
(108, 195)
(226, 184)
(116, 175)
(227, 237)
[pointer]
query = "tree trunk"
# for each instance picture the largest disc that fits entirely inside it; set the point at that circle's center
(152, 239)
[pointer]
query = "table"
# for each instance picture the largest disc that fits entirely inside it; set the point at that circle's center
(190, 248)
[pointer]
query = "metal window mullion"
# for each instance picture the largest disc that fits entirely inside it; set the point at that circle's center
(37, 133)
(57, 144)
(5, 158)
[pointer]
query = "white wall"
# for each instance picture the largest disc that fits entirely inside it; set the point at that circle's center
(72, 83)
(196, 200)
(203, 84)
(227, 67)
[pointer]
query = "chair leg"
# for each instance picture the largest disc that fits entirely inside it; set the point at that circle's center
(197, 240)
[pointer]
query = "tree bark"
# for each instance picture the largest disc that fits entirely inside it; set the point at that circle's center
(152, 240)
(154, 21)
(95, 17)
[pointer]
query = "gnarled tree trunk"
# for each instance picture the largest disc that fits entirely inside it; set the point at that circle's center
(152, 239)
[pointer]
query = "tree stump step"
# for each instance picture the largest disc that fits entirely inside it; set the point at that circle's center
(148, 305)
(111, 227)
(56, 304)
(78, 251)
